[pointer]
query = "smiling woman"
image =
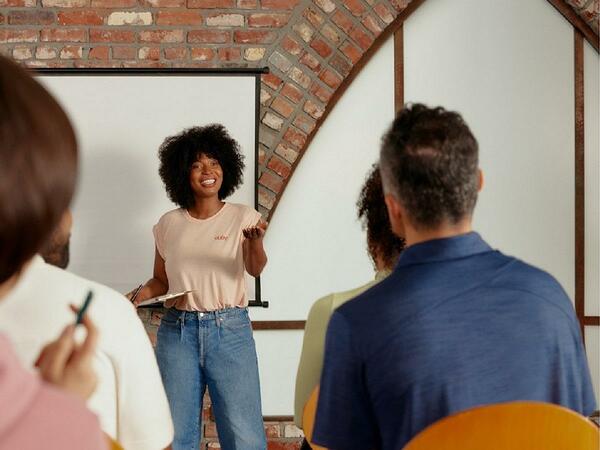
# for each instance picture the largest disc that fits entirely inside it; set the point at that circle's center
(204, 247)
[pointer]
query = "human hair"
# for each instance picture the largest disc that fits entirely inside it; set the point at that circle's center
(38, 166)
(372, 212)
(429, 162)
(178, 153)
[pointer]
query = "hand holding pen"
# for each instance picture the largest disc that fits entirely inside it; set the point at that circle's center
(67, 364)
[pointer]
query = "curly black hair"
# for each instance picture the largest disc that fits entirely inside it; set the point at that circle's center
(178, 153)
(374, 217)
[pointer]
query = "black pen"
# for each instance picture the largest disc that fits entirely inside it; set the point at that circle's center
(137, 291)
(84, 307)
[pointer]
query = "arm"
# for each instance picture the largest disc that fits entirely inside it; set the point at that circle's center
(255, 258)
(155, 286)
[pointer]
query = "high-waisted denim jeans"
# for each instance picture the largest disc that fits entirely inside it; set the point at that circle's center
(214, 349)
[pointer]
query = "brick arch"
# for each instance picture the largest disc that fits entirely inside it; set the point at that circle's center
(333, 41)
(314, 48)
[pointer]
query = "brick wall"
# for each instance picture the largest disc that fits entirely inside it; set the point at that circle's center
(311, 47)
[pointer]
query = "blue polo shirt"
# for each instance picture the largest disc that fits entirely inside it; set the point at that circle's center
(456, 325)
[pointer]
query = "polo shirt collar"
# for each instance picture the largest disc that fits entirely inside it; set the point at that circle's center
(444, 249)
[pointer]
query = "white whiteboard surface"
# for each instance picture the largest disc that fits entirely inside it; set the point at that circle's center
(120, 121)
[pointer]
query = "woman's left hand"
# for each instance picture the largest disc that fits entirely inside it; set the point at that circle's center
(257, 232)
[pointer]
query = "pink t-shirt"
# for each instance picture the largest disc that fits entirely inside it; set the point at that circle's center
(206, 256)
(34, 415)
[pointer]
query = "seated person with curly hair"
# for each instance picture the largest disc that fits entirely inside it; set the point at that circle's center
(384, 249)
(205, 246)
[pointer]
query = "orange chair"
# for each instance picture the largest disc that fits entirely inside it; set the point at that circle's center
(510, 426)
(308, 417)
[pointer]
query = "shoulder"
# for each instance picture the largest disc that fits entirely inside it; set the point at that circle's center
(169, 216)
(245, 214)
(241, 209)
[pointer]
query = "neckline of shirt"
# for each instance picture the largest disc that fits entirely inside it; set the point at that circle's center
(189, 217)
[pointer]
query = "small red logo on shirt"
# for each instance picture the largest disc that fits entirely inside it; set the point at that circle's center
(222, 237)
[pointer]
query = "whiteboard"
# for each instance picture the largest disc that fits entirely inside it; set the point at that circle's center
(120, 121)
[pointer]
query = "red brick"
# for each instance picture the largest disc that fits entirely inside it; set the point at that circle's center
(274, 20)
(299, 77)
(97, 35)
(209, 36)
(230, 54)
(330, 33)
(330, 78)
(291, 46)
(1, 18)
(372, 25)
(151, 53)
(18, 35)
(175, 53)
(283, 169)
(211, 4)
(295, 137)
(314, 110)
(80, 18)
(247, 4)
(321, 92)
(273, 81)
(33, 17)
(384, 13)
(99, 53)
(361, 38)
(340, 64)
(279, 4)
(313, 17)
(292, 92)
(63, 35)
(114, 3)
(284, 445)
(271, 181)
(311, 62)
(353, 53)
(202, 54)
(282, 107)
(178, 18)
(305, 123)
(145, 64)
(65, 3)
(321, 47)
(354, 6)
(210, 430)
(342, 21)
(266, 198)
(163, 3)
(18, 3)
(254, 37)
(400, 4)
(124, 52)
(71, 52)
(168, 36)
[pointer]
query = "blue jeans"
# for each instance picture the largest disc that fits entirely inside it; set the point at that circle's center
(215, 349)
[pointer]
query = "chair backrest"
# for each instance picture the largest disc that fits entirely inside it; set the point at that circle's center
(308, 417)
(510, 426)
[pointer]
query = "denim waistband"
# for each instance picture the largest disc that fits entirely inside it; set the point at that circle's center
(207, 315)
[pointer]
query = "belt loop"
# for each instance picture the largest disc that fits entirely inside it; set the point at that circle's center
(217, 319)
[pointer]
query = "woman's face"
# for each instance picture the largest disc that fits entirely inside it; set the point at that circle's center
(206, 176)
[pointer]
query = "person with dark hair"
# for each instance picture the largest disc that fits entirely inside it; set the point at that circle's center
(38, 168)
(456, 324)
(384, 248)
(205, 246)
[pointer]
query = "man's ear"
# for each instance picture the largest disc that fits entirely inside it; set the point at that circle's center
(395, 214)
(481, 180)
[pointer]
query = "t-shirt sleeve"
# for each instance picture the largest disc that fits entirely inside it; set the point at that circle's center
(251, 218)
(159, 236)
(343, 418)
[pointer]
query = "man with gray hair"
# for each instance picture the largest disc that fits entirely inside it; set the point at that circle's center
(457, 324)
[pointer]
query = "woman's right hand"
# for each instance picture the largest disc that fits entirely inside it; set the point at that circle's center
(69, 365)
(144, 293)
